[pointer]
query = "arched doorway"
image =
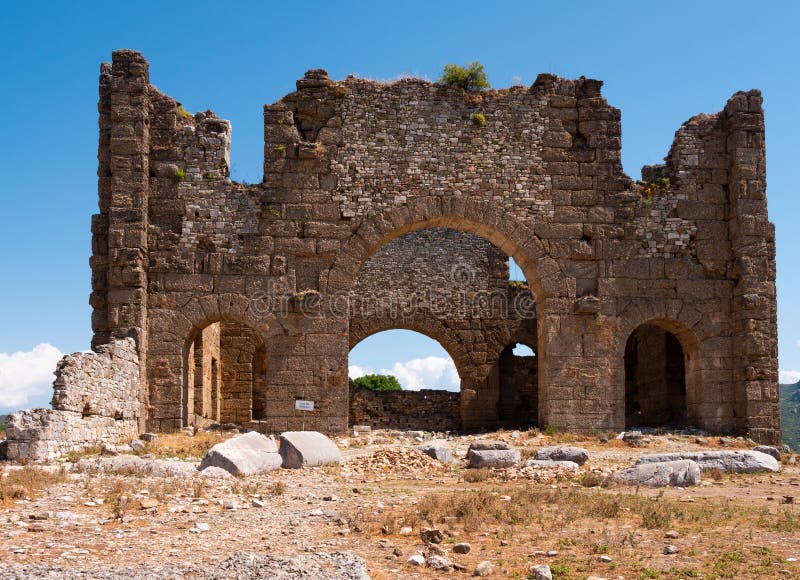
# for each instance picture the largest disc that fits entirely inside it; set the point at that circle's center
(225, 378)
(655, 378)
(462, 288)
(517, 402)
(429, 398)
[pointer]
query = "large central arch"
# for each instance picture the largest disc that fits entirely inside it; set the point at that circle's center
(509, 234)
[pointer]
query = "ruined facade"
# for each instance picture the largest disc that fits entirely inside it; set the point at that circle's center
(651, 301)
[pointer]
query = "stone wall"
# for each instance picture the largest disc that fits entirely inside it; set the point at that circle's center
(427, 410)
(351, 165)
(95, 401)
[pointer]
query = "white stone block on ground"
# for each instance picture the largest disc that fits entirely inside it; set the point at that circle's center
(307, 449)
(498, 458)
(245, 454)
(564, 453)
(729, 461)
(679, 473)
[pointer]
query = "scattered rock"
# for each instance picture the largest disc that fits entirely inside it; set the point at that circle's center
(431, 536)
(213, 471)
(487, 445)
(202, 526)
(258, 503)
(566, 453)
(606, 559)
(406, 531)
(484, 568)
(462, 548)
(729, 461)
(230, 504)
(149, 437)
(307, 448)
(670, 549)
(148, 503)
(548, 464)
(542, 572)
(439, 563)
(725, 441)
(416, 560)
(244, 455)
(769, 450)
(136, 445)
(437, 449)
(672, 534)
(680, 473)
(493, 458)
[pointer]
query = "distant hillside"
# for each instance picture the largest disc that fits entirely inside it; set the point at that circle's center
(3, 422)
(790, 415)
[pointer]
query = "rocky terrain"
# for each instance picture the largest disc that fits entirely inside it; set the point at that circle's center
(389, 510)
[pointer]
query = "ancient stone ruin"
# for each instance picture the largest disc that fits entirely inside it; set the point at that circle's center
(398, 205)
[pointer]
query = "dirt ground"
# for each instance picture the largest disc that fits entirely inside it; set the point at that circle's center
(376, 503)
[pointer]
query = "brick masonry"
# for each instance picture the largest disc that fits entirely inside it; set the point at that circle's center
(354, 166)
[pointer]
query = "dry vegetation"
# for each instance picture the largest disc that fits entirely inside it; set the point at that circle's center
(27, 482)
(719, 537)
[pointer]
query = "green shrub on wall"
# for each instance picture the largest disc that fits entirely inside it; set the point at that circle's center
(470, 77)
(378, 383)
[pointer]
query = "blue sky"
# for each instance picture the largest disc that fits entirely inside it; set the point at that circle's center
(661, 64)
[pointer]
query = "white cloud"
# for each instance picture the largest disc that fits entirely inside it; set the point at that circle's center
(355, 371)
(26, 378)
(788, 377)
(433, 372)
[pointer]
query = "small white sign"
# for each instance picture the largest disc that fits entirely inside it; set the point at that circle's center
(304, 405)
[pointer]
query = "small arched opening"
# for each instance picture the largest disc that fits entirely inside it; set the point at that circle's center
(655, 377)
(517, 401)
(225, 380)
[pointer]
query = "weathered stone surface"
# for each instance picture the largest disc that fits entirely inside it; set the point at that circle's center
(498, 458)
(134, 465)
(731, 461)
(245, 454)
(215, 472)
(565, 453)
(679, 473)
(95, 401)
(438, 450)
(487, 445)
(307, 449)
(769, 450)
(549, 463)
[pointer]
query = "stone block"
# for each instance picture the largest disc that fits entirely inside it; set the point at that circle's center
(245, 454)
(566, 453)
(307, 449)
(678, 473)
(728, 461)
(497, 458)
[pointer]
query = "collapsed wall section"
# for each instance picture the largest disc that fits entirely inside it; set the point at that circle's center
(95, 401)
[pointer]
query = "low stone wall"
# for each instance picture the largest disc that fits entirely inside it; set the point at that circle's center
(95, 401)
(427, 410)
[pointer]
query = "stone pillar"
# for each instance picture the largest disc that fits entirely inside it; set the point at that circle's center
(754, 296)
(128, 184)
